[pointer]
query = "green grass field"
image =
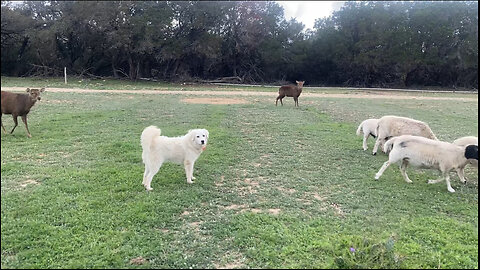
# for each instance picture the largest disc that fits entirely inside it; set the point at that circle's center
(277, 187)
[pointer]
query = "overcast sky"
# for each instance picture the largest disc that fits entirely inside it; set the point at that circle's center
(307, 11)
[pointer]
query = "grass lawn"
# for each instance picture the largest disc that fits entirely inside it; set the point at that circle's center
(277, 187)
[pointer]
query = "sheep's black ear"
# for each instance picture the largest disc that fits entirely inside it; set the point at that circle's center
(471, 152)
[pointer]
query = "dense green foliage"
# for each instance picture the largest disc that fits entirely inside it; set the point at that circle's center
(384, 44)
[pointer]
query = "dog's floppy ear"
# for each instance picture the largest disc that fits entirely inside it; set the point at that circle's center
(191, 134)
(206, 131)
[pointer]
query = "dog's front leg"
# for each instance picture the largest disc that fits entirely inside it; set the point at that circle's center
(189, 170)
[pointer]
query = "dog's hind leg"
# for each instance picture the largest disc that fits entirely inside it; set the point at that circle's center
(145, 175)
(189, 170)
(152, 171)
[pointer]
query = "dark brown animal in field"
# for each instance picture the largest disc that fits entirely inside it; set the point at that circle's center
(290, 91)
(19, 105)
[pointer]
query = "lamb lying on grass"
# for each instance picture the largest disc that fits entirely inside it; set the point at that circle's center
(368, 128)
(426, 153)
(391, 126)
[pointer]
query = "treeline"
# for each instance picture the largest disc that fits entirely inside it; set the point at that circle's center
(365, 44)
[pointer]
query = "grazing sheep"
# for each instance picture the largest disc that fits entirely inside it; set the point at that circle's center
(369, 128)
(391, 126)
(469, 140)
(426, 153)
(290, 91)
(19, 105)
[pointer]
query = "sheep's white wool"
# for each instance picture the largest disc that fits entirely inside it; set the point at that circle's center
(468, 140)
(369, 128)
(391, 126)
(425, 153)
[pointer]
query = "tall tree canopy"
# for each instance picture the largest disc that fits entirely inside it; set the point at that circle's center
(366, 44)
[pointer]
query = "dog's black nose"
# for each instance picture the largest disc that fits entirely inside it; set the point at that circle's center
(203, 142)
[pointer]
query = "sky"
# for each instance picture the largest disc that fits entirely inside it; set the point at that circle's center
(307, 11)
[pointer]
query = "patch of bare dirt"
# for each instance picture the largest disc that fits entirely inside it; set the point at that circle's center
(337, 209)
(221, 101)
(235, 206)
(195, 225)
(287, 190)
(138, 261)
(28, 182)
(57, 101)
(375, 95)
(234, 261)
(275, 211)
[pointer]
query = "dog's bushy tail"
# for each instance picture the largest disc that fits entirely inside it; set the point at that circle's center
(388, 146)
(148, 134)
(359, 129)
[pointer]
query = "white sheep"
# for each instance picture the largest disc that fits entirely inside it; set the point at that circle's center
(391, 126)
(369, 128)
(426, 153)
(469, 140)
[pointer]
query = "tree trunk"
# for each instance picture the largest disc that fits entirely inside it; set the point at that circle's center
(114, 69)
(132, 74)
(138, 73)
(147, 70)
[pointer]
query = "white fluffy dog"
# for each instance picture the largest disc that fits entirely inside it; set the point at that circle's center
(159, 149)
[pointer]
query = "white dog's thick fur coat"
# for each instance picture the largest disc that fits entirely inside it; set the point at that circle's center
(181, 150)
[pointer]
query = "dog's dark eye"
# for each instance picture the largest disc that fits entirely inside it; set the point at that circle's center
(198, 136)
(203, 135)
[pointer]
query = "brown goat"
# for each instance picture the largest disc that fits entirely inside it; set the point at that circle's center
(290, 91)
(19, 105)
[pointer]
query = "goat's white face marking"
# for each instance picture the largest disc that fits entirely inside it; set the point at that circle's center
(200, 136)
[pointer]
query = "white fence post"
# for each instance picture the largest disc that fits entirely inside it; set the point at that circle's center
(65, 71)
